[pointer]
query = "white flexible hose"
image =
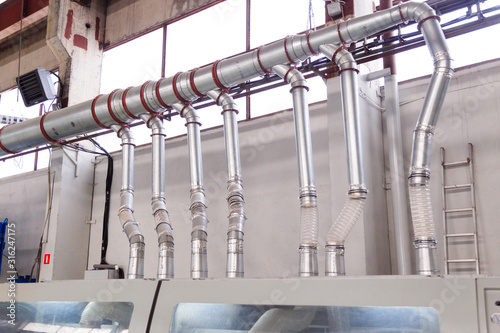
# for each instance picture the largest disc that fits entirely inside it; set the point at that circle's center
(309, 225)
(421, 212)
(350, 214)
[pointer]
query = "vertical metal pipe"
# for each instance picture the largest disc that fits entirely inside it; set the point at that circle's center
(308, 247)
(125, 214)
(420, 197)
(199, 219)
(158, 203)
(353, 209)
(398, 178)
(235, 199)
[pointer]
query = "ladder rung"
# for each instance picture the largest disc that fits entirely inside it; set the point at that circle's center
(459, 163)
(468, 234)
(461, 260)
(451, 187)
(459, 210)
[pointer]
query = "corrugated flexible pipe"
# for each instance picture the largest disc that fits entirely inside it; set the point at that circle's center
(356, 196)
(308, 247)
(158, 203)
(126, 212)
(235, 198)
(199, 264)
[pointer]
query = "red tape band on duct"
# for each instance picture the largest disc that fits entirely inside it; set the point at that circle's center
(127, 111)
(148, 126)
(349, 69)
(260, 62)
(92, 110)
(296, 87)
(42, 129)
(176, 92)
(2, 146)
(340, 36)
(218, 97)
(233, 110)
(158, 96)
(216, 78)
(308, 35)
(286, 51)
(337, 51)
(288, 72)
(143, 101)
(405, 22)
(427, 18)
(119, 135)
(192, 85)
(115, 118)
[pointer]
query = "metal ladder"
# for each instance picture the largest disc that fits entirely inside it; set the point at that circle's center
(472, 210)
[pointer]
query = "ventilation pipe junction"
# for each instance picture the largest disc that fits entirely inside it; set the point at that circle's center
(199, 265)
(120, 106)
(158, 203)
(126, 212)
(356, 196)
(235, 199)
(308, 247)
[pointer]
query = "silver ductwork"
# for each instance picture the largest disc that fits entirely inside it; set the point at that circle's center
(285, 320)
(308, 247)
(419, 191)
(235, 199)
(126, 212)
(199, 264)
(121, 106)
(356, 196)
(158, 203)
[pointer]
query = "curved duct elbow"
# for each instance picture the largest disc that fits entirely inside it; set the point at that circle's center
(165, 245)
(95, 313)
(284, 320)
(352, 211)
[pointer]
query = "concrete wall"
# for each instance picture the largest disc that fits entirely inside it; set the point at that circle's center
(471, 113)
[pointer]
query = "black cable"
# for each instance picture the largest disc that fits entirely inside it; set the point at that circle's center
(61, 89)
(109, 181)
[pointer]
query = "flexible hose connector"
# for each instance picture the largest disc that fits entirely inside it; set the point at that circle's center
(421, 212)
(199, 263)
(350, 214)
(235, 201)
(308, 248)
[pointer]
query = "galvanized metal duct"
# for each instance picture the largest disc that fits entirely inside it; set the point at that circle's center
(120, 106)
(158, 203)
(126, 212)
(235, 198)
(199, 264)
(356, 195)
(308, 247)
(419, 191)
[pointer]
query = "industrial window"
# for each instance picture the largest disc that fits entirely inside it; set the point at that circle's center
(12, 110)
(196, 317)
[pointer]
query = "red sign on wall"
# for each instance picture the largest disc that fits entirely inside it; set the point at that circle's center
(46, 259)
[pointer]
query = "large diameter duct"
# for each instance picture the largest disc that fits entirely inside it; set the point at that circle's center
(126, 212)
(308, 247)
(235, 199)
(284, 320)
(199, 265)
(125, 104)
(420, 197)
(356, 195)
(158, 203)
